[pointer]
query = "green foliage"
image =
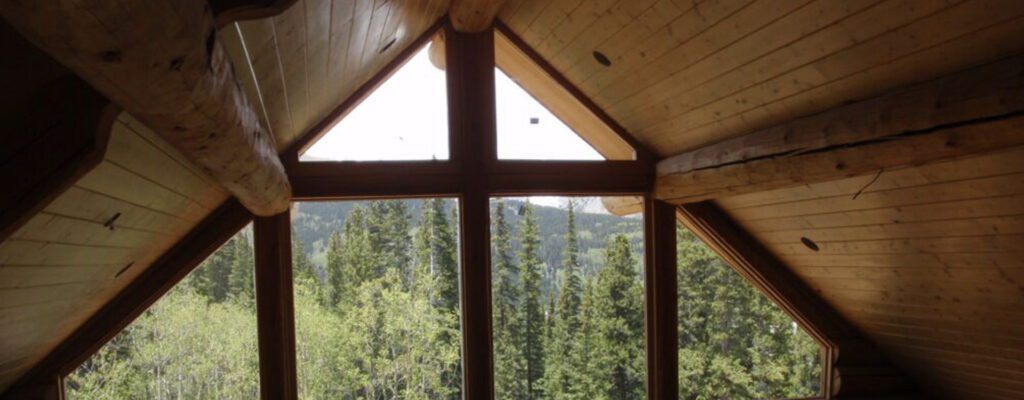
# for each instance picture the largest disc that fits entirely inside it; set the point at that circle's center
(733, 342)
(377, 315)
(533, 319)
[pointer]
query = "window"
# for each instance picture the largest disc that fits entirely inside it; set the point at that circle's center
(197, 342)
(406, 118)
(534, 108)
(567, 300)
(734, 343)
(377, 299)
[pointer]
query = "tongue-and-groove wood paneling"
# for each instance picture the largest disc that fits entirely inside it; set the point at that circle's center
(927, 261)
(688, 73)
(298, 66)
(72, 257)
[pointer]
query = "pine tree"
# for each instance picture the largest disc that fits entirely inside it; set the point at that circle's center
(562, 368)
(619, 313)
(240, 280)
(211, 277)
(302, 268)
(509, 366)
(336, 279)
(531, 312)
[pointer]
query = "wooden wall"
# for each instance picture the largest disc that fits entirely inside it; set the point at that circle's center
(927, 261)
(687, 73)
(93, 239)
(298, 66)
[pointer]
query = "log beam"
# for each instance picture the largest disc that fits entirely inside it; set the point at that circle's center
(161, 62)
(473, 16)
(970, 112)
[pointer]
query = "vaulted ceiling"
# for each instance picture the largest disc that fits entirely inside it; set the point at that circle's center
(926, 261)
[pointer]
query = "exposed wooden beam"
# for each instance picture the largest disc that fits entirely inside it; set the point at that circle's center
(857, 366)
(275, 306)
(969, 112)
(161, 61)
(662, 300)
(473, 16)
(870, 156)
(139, 295)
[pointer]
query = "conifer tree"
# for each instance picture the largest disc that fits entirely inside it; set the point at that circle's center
(562, 366)
(618, 301)
(336, 277)
(509, 368)
(531, 312)
(242, 269)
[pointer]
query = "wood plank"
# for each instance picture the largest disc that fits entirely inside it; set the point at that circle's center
(119, 311)
(261, 42)
(661, 299)
(1011, 225)
(732, 95)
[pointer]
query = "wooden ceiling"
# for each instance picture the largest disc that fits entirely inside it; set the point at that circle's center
(687, 73)
(298, 66)
(927, 261)
(88, 244)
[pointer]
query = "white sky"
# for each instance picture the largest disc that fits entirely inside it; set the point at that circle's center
(406, 118)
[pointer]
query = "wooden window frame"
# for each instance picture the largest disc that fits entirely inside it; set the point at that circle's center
(473, 174)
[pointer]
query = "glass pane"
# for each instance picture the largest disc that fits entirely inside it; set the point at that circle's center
(377, 299)
(567, 300)
(523, 123)
(734, 343)
(197, 342)
(406, 118)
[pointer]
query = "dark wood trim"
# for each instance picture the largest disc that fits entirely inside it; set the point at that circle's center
(643, 154)
(662, 300)
(290, 156)
(140, 294)
(275, 311)
(856, 366)
(470, 76)
(228, 11)
(66, 127)
(317, 188)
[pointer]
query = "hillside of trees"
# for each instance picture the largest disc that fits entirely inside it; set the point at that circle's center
(377, 314)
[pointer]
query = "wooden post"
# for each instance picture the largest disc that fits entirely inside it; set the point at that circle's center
(470, 62)
(662, 319)
(274, 307)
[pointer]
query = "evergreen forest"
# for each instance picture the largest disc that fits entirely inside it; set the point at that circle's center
(377, 314)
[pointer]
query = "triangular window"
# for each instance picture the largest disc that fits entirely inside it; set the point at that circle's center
(405, 118)
(735, 342)
(198, 341)
(539, 119)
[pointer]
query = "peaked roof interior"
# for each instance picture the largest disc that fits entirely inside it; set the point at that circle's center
(927, 261)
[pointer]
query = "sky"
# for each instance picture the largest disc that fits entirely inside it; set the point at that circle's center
(406, 118)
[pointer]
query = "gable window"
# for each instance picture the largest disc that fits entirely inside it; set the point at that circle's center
(404, 118)
(197, 342)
